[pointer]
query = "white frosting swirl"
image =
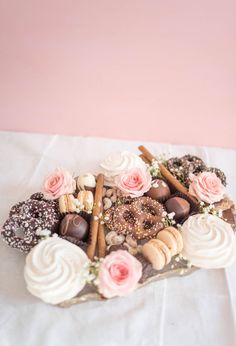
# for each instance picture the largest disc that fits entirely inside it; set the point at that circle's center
(119, 163)
(209, 242)
(54, 270)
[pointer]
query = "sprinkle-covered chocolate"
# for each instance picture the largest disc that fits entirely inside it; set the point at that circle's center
(29, 217)
(181, 167)
(219, 173)
(142, 218)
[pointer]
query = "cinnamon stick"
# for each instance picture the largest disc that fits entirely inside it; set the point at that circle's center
(101, 241)
(146, 153)
(166, 174)
(94, 225)
(144, 158)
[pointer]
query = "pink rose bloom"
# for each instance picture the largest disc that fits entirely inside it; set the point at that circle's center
(59, 183)
(119, 274)
(134, 183)
(206, 187)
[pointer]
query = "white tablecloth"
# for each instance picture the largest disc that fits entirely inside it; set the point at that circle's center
(195, 310)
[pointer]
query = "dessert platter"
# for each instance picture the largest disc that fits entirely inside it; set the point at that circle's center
(141, 219)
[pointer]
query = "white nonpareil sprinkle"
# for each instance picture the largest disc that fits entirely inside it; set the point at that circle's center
(96, 282)
(43, 232)
(171, 215)
(155, 185)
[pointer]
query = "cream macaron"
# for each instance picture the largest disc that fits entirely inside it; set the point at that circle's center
(172, 238)
(68, 204)
(157, 253)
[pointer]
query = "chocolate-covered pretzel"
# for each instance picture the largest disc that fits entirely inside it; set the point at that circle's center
(34, 214)
(219, 174)
(181, 167)
(142, 218)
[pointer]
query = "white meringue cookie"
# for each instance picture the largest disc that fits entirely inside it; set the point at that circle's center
(119, 163)
(209, 242)
(54, 270)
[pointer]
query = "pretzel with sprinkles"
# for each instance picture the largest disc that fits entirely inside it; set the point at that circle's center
(142, 218)
(30, 216)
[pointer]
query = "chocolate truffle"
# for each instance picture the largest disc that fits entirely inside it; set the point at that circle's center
(159, 190)
(74, 226)
(179, 206)
(86, 182)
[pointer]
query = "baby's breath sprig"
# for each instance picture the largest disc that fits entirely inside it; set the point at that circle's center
(179, 175)
(153, 167)
(168, 219)
(91, 270)
(210, 209)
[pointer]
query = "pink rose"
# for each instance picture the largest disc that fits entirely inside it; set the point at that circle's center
(59, 183)
(134, 183)
(206, 187)
(119, 274)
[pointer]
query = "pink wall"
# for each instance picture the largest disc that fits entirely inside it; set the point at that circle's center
(140, 69)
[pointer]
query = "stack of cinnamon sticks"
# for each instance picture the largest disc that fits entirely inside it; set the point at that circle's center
(97, 234)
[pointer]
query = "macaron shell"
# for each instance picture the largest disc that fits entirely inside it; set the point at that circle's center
(154, 255)
(62, 204)
(70, 204)
(178, 237)
(168, 238)
(164, 248)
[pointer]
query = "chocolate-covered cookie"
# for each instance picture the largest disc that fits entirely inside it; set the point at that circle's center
(142, 218)
(219, 173)
(31, 216)
(183, 167)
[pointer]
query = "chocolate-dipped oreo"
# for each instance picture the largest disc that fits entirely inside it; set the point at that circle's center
(74, 226)
(159, 190)
(179, 206)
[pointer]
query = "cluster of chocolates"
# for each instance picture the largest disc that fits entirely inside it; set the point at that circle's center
(125, 215)
(39, 217)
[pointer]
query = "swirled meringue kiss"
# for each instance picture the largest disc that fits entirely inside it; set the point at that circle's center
(209, 242)
(119, 163)
(54, 270)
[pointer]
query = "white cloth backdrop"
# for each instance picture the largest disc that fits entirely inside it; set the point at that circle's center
(199, 309)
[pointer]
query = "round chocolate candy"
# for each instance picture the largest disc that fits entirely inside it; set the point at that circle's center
(74, 226)
(159, 190)
(179, 206)
(86, 182)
